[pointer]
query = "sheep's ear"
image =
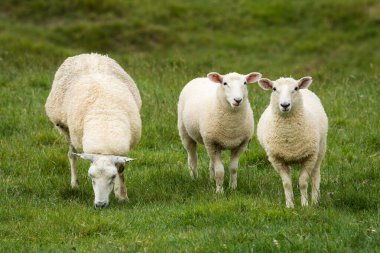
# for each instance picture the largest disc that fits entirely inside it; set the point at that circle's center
(215, 77)
(253, 77)
(86, 156)
(266, 84)
(305, 82)
(121, 159)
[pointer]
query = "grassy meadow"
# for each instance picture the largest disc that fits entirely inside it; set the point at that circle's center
(163, 46)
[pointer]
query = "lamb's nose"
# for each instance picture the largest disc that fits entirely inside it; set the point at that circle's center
(238, 100)
(285, 105)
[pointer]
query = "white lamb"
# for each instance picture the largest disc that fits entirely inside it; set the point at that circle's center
(96, 105)
(215, 111)
(293, 129)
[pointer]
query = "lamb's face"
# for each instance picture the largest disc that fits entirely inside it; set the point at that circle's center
(102, 172)
(234, 86)
(235, 89)
(285, 92)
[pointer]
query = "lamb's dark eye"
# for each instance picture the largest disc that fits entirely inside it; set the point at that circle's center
(274, 89)
(113, 177)
(225, 83)
(245, 82)
(296, 88)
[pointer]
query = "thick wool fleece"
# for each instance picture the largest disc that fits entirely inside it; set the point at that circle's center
(296, 136)
(99, 104)
(206, 116)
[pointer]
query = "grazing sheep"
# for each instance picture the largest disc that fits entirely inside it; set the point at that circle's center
(293, 129)
(215, 111)
(96, 105)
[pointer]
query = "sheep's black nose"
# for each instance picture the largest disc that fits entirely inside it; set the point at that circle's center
(285, 105)
(238, 100)
(101, 204)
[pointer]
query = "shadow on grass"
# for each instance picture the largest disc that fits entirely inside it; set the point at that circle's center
(351, 199)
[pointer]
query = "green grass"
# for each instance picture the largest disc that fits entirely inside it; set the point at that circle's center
(163, 46)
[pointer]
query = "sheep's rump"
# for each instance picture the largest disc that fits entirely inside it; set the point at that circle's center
(195, 98)
(96, 104)
(73, 69)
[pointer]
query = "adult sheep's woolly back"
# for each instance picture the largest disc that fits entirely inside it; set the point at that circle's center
(96, 105)
(98, 102)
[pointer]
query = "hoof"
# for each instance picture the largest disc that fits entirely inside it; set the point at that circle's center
(74, 184)
(233, 185)
(289, 205)
(219, 189)
(193, 174)
(122, 198)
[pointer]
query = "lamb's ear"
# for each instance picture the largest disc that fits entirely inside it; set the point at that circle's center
(266, 84)
(86, 156)
(121, 159)
(305, 82)
(253, 77)
(215, 77)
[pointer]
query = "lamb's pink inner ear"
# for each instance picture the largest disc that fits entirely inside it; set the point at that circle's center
(266, 84)
(253, 77)
(304, 82)
(215, 77)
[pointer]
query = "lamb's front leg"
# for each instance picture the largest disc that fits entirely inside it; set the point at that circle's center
(119, 186)
(284, 171)
(72, 159)
(234, 163)
(214, 152)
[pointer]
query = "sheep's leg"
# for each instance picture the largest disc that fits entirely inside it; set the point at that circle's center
(192, 157)
(72, 159)
(214, 153)
(306, 171)
(316, 179)
(316, 175)
(234, 163)
(211, 170)
(284, 171)
(119, 186)
(303, 183)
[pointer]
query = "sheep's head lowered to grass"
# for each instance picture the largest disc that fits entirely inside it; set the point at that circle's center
(234, 86)
(103, 171)
(285, 95)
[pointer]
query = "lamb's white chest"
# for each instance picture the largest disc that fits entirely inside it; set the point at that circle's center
(291, 146)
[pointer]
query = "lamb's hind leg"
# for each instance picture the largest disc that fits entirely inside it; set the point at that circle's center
(192, 157)
(303, 183)
(306, 172)
(119, 186)
(211, 170)
(316, 175)
(316, 179)
(234, 163)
